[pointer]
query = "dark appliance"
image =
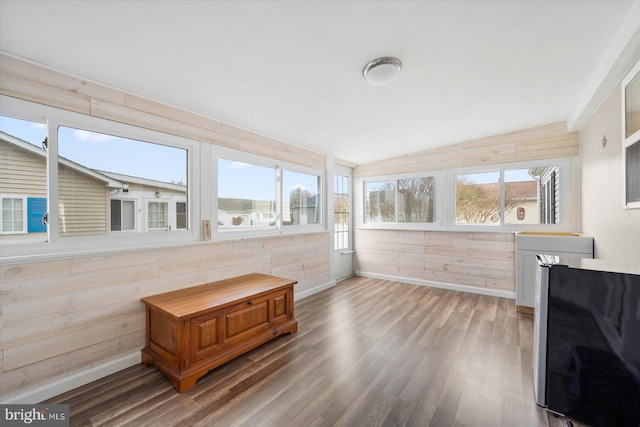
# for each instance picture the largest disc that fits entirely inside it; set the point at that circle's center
(587, 355)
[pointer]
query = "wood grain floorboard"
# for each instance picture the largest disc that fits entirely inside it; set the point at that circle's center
(368, 352)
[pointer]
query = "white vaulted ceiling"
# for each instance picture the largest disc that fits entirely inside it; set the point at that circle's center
(292, 70)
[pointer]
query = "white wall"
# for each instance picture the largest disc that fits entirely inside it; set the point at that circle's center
(616, 230)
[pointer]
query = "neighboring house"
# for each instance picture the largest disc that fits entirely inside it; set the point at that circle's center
(549, 194)
(233, 213)
(141, 205)
(83, 193)
(90, 202)
(536, 201)
(525, 208)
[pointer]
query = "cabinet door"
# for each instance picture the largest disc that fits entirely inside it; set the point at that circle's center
(206, 335)
(246, 319)
(281, 304)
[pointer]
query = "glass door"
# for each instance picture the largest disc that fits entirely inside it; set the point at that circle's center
(343, 249)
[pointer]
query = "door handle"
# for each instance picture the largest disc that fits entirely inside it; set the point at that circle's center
(347, 252)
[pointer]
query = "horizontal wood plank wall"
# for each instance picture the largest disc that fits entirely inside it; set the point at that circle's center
(31, 82)
(64, 315)
(75, 313)
(484, 260)
(542, 142)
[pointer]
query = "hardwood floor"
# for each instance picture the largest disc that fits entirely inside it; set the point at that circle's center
(367, 352)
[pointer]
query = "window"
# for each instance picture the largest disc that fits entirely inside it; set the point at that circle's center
(478, 198)
(416, 199)
(246, 195)
(256, 195)
(181, 215)
(509, 196)
(91, 181)
(123, 215)
(516, 196)
(301, 194)
(94, 167)
(409, 200)
(23, 179)
(341, 211)
(631, 132)
(632, 167)
(380, 201)
(157, 216)
(13, 215)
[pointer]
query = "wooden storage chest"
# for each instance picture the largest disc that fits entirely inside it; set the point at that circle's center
(193, 330)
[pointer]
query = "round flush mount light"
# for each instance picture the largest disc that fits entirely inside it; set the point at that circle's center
(381, 71)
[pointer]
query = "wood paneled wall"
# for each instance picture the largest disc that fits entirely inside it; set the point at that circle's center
(69, 314)
(73, 314)
(542, 142)
(481, 260)
(31, 82)
(485, 260)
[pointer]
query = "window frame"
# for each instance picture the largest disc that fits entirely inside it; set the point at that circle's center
(278, 166)
(445, 198)
(564, 168)
(167, 215)
(628, 141)
(439, 211)
(58, 245)
(135, 223)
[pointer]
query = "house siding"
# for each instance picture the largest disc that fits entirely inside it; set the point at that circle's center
(82, 204)
(21, 173)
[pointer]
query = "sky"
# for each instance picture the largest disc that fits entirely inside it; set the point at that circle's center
(247, 181)
(168, 164)
(107, 153)
(155, 161)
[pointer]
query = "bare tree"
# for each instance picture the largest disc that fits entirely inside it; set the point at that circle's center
(417, 199)
(381, 204)
(480, 203)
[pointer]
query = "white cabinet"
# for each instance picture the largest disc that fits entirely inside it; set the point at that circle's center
(528, 244)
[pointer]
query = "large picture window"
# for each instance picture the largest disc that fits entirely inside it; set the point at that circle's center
(94, 167)
(301, 198)
(509, 196)
(246, 195)
(513, 196)
(23, 180)
(380, 201)
(255, 193)
(409, 200)
(82, 183)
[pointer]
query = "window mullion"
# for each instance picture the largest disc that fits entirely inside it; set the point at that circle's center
(52, 181)
(397, 197)
(279, 198)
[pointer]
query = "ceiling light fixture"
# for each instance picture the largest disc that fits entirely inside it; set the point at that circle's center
(381, 71)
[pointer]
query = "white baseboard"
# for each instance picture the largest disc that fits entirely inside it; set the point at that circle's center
(463, 288)
(299, 295)
(70, 381)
